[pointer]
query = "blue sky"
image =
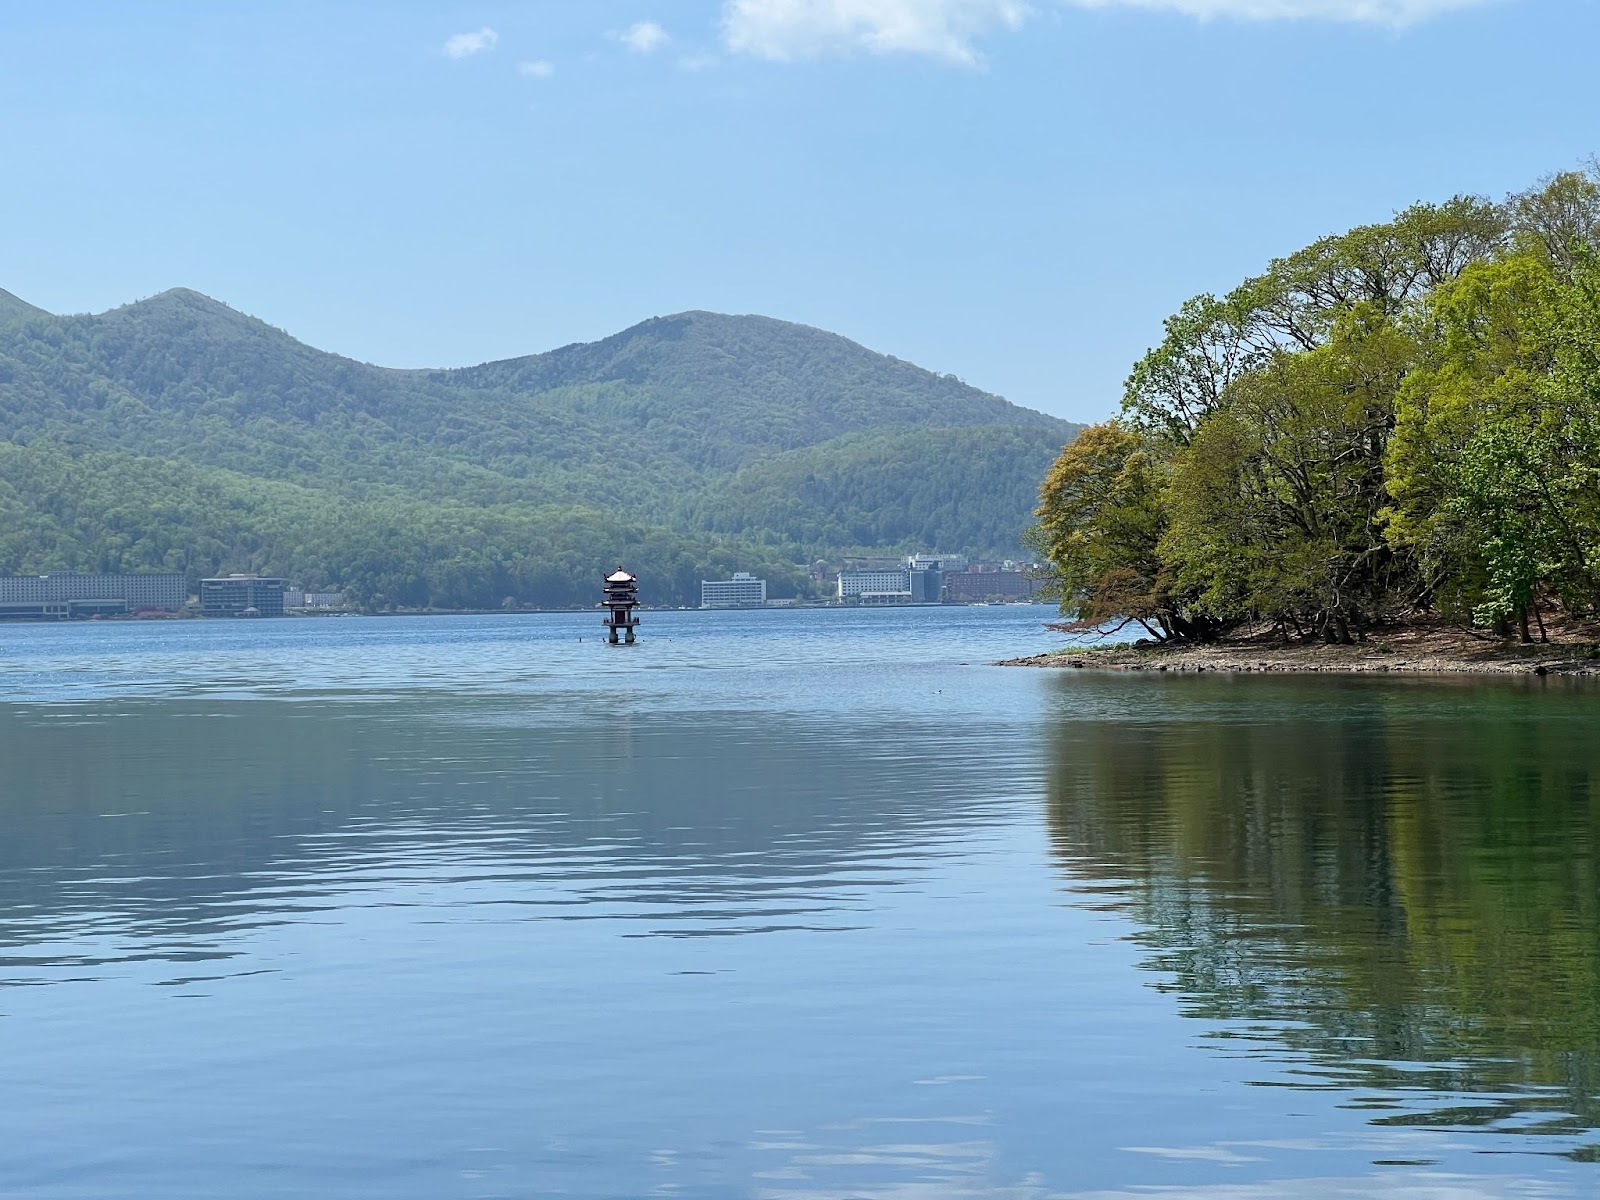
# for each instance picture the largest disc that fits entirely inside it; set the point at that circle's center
(1014, 192)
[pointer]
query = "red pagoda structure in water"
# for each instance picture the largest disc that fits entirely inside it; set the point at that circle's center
(622, 597)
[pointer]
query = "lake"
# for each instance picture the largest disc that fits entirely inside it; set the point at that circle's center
(785, 904)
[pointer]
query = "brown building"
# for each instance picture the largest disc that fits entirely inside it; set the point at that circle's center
(971, 587)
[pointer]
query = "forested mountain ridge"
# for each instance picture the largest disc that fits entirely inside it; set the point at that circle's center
(14, 307)
(697, 427)
(896, 499)
(762, 384)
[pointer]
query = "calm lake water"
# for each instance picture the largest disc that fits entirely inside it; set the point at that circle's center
(792, 905)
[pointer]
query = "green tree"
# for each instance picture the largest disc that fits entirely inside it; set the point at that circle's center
(1102, 514)
(1495, 461)
(1276, 503)
(1403, 416)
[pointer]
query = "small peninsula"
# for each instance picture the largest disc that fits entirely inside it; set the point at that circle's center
(1382, 453)
(1428, 647)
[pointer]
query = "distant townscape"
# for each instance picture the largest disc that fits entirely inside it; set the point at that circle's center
(918, 579)
(68, 594)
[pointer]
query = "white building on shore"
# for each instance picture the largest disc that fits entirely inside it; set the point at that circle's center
(744, 590)
(68, 594)
(902, 585)
(937, 562)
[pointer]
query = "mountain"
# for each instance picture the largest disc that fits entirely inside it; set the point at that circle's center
(177, 432)
(757, 384)
(14, 308)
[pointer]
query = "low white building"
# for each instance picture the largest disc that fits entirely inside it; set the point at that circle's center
(937, 562)
(744, 590)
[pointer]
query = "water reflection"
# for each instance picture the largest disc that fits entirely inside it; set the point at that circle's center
(1382, 890)
(164, 831)
(772, 936)
(476, 946)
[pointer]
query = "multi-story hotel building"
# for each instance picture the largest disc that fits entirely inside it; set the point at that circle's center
(744, 590)
(970, 587)
(902, 585)
(241, 596)
(69, 594)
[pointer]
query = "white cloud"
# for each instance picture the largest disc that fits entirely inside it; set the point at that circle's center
(786, 30)
(541, 68)
(643, 37)
(1371, 12)
(464, 45)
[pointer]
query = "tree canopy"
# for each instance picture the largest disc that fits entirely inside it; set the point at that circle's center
(1403, 418)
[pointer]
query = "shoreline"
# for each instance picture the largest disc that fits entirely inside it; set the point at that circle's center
(1426, 649)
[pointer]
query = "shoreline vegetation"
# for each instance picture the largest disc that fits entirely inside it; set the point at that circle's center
(1436, 647)
(1385, 437)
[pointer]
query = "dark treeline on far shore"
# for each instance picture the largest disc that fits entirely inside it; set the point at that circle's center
(1400, 420)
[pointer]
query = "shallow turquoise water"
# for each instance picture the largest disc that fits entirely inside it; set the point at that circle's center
(781, 904)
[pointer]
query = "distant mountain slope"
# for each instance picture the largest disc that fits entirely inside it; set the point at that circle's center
(750, 384)
(700, 426)
(14, 307)
(899, 487)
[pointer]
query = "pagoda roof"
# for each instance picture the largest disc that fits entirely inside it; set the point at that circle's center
(620, 576)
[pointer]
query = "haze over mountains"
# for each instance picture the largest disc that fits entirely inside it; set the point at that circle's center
(176, 433)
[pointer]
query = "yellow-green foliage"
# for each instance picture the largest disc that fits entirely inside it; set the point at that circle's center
(1400, 417)
(1101, 519)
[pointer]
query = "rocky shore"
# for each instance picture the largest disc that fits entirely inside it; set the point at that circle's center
(1416, 649)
